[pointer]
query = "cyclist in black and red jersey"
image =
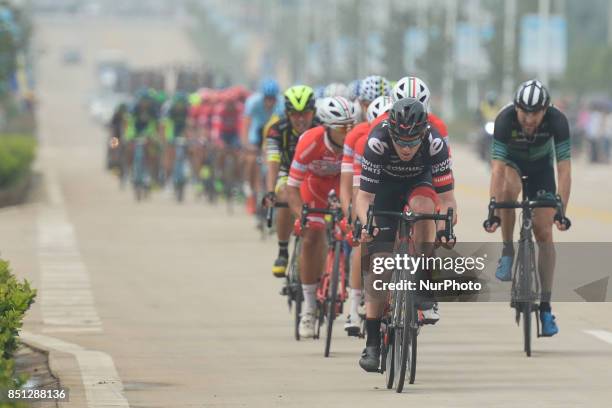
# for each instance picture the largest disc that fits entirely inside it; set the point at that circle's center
(405, 162)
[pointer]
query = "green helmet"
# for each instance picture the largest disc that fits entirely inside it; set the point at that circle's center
(299, 98)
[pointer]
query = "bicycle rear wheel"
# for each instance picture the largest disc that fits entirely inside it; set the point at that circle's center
(388, 357)
(526, 310)
(332, 295)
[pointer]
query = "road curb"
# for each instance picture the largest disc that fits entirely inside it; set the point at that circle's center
(65, 367)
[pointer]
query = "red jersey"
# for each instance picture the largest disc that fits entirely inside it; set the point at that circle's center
(349, 145)
(225, 119)
(204, 115)
(315, 156)
(439, 125)
(359, 148)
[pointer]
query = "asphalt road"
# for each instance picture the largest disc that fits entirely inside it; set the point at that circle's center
(181, 300)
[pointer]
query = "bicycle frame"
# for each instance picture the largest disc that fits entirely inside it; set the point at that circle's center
(331, 291)
(399, 334)
(525, 291)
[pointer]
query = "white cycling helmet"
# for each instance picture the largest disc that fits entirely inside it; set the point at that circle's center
(372, 87)
(379, 106)
(336, 111)
(412, 87)
(336, 89)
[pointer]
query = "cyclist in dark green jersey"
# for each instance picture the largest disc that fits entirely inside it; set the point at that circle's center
(529, 136)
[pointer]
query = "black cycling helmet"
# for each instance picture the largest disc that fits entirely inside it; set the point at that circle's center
(532, 96)
(407, 119)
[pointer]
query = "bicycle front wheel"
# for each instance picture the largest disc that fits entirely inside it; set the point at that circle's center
(332, 296)
(295, 286)
(414, 331)
(388, 357)
(405, 339)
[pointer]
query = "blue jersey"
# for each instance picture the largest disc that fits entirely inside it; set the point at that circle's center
(254, 108)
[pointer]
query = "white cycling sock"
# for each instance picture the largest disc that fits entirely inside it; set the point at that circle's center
(310, 297)
(355, 302)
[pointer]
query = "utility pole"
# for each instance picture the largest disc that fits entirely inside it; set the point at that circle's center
(449, 68)
(474, 19)
(509, 46)
(544, 11)
(610, 24)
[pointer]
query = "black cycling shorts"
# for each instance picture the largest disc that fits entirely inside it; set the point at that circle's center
(541, 177)
(393, 197)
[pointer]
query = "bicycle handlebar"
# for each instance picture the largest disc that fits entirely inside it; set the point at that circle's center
(557, 203)
(412, 217)
(336, 213)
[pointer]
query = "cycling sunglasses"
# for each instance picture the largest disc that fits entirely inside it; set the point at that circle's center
(411, 142)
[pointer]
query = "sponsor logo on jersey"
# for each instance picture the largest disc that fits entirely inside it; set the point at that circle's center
(435, 145)
(441, 167)
(377, 146)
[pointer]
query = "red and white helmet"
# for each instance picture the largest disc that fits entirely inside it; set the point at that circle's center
(336, 111)
(412, 87)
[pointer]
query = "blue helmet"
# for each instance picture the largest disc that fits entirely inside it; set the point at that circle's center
(319, 92)
(354, 89)
(269, 87)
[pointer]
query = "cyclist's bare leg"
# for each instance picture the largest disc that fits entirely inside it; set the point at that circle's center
(312, 259)
(251, 176)
(284, 218)
(510, 192)
(542, 229)
(376, 300)
(424, 232)
(170, 154)
(356, 258)
(356, 268)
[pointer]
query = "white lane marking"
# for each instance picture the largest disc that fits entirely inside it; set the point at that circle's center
(66, 298)
(601, 335)
(103, 387)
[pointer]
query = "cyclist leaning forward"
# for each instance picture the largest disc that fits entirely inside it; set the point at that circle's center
(371, 88)
(314, 172)
(174, 124)
(528, 135)
(281, 141)
(377, 111)
(142, 121)
(405, 162)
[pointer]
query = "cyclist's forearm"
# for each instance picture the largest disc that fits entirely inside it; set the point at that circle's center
(447, 200)
(564, 175)
(362, 202)
(273, 168)
(295, 200)
(497, 179)
(346, 191)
